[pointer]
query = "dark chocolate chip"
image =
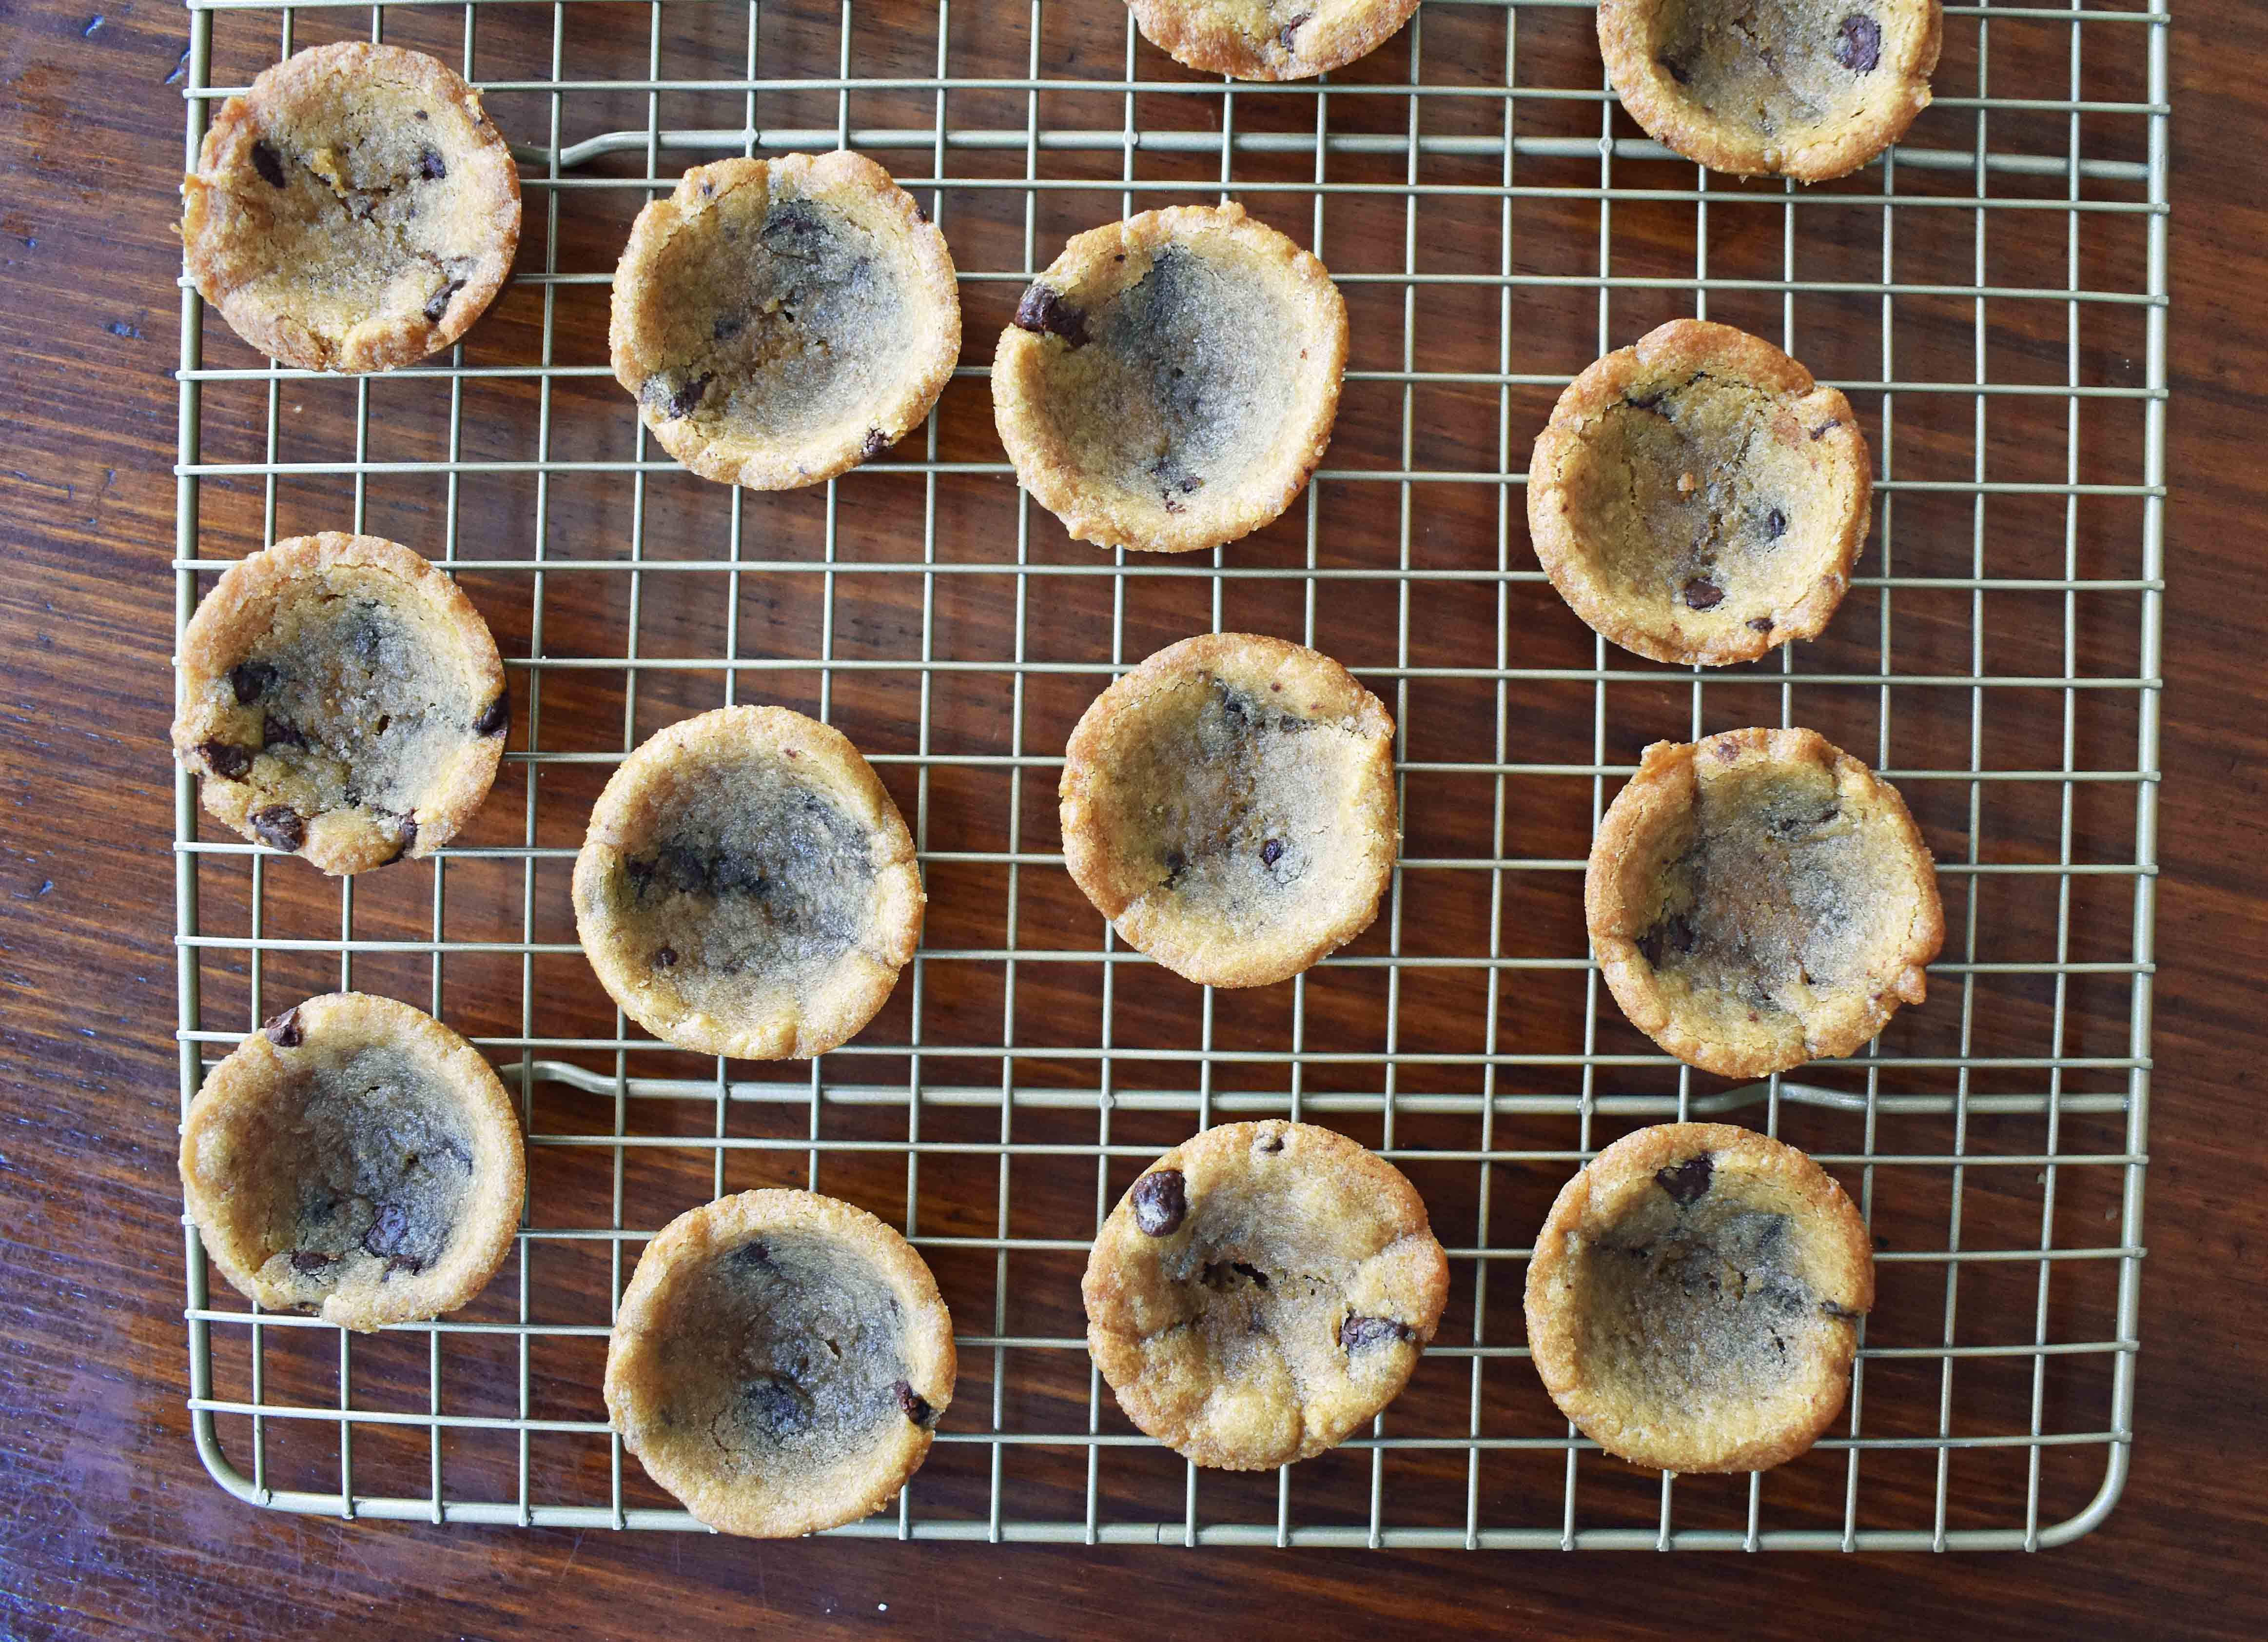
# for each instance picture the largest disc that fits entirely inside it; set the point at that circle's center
(1270, 852)
(1672, 937)
(1702, 594)
(225, 758)
(1687, 1181)
(1176, 863)
(1272, 1144)
(1760, 624)
(250, 680)
(438, 304)
(409, 1263)
(1161, 1201)
(724, 327)
(877, 442)
(1775, 525)
(778, 1405)
(388, 1232)
(431, 167)
(673, 402)
(1043, 310)
(279, 826)
(1357, 1332)
(1675, 70)
(751, 1256)
(666, 958)
(281, 732)
(284, 1032)
(1858, 47)
(915, 1405)
(1283, 35)
(406, 831)
(419, 114)
(495, 718)
(307, 1261)
(269, 164)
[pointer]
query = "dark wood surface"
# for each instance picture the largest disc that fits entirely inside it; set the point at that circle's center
(107, 1521)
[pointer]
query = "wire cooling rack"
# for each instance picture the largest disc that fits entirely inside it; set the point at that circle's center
(1993, 298)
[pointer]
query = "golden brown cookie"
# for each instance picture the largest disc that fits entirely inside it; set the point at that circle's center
(353, 210)
(356, 1157)
(1693, 1299)
(782, 320)
(1269, 40)
(747, 887)
(1229, 806)
(779, 1363)
(1809, 89)
(1169, 383)
(1760, 899)
(1262, 1290)
(1697, 498)
(342, 698)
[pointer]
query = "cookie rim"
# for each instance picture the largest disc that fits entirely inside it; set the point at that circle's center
(252, 1075)
(1681, 347)
(1265, 492)
(926, 266)
(1115, 1345)
(708, 1230)
(1193, 36)
(230, 620)
(1151, 927)
(399, 342)
(1615, 910)
(1627, 1167)
(1681, 124)
(859, 982)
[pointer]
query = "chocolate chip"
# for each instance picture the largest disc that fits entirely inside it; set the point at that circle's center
(877, 442)
(724, 327)
(1775, 525)
(793, 218)
(1176, 863)
(225, 758)
(915, 1405)
(1043, 310)
(281, 732)
(406, 830)
(419, 114)
(1823, 431)
(1702, 594)
(430, 165)
(1270, 852)
(388, 1232)
(269, 164)
(495, 718)
(279, 826)
(1687, 1181)
(674, 402)
(778, 1405)
(1858, 47)
(1283, 35)
(1671, 936)
(284, 1032)
(1760, 624)
(1162, 1200)
(1357, 1332)
(250, 680)
(409, 1263)
(666, 958)
(1272, 1143)
(640, 873)
(438, 304)
(1676, 70)
(306, 1259)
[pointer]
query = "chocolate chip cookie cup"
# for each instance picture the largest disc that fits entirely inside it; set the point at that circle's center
(1169, 383)
(1261, 1291)
(353, 210)
(747, 887)
(357, 1158)
(779, 1363)
(1760, 899)
(1269, 40)
(342, 699)
(1809, 89)
(781, 320)
(1693, 1299)
(1697, 498)
(1229, 806)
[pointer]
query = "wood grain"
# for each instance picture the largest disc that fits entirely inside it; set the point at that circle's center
(107, 1521)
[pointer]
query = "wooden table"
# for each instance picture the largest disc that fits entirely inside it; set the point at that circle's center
(110, 1522)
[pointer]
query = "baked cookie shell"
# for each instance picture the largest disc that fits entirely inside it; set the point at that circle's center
(465, 226)
(781, 320)
(1244, 1375)
(865, 1446)
(1269, 40)
(1820, 958)
(1778, 475)
(245, 1174)
(800, 1005)
(1640, 40)
(434, 759)
(1171, 380)
(1665, 1368)
(1288, 838)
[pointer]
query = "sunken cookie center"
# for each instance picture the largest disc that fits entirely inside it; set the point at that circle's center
(1778, 65)
(789, 1347)
(1181, 382)
(786, 318)
(381, 1165)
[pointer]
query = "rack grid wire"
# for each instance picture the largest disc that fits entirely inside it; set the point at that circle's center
(1992, 296)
